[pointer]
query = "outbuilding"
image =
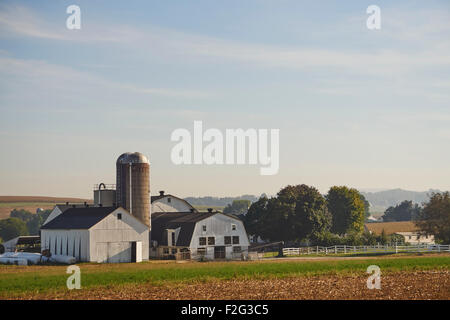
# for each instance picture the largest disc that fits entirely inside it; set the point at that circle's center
(198, 235)
(170, 203)
(97, 234)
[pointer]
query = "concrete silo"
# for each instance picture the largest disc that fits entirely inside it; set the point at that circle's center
(133, 185)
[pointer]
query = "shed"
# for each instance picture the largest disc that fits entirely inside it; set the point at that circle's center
(97, 234)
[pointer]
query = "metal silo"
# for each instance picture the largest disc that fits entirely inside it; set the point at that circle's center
(133, 185)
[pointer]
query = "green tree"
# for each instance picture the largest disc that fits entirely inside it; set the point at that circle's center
(12, 227)
(347, 209)
(383, 237)
(366, 206)
(296, 213)
(21, 214)
(434, 219)
(238, 207)
(33, 221)
(405, 211)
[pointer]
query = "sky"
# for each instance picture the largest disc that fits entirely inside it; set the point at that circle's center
(363, 108)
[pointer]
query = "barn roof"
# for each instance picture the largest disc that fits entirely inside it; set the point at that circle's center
(173, 220)
(79, 218)
(161, 196)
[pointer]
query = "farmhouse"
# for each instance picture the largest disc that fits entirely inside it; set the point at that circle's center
(417, 238)
(170, 203)
(198, 235)
(407, 229)
(96, 234)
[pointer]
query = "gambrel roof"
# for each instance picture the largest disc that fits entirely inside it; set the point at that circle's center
(186, 221)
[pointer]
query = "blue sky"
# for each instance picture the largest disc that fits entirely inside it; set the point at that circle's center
(357, 107)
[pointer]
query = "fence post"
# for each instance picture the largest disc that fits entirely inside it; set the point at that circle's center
(345, 248)
(335, 249)
(317, 249)
(326, 250)
(396, 249)
(439, 248)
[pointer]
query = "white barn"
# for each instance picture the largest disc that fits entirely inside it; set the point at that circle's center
(170, 203)
(97, 234)
(197, 235)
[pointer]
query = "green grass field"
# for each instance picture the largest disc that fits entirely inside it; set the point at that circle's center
(15, 280)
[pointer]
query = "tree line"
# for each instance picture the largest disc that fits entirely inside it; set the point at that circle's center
(301, 214)
(22, 223)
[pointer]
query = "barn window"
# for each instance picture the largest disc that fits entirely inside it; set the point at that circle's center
(227, 240)
(233, 227)
(119, 216)
(211, 241)
(173, 239)
(202, 241)
(169, 200)
(201, 251)
(237, 249)
(235, 239)
(204, 228)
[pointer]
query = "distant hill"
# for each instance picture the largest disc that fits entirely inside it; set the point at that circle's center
(381, 200)
(40, 199)
(31, 203)
(218, 202)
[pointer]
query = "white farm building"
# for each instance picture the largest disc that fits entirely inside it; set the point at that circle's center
(198, 235)
(126, 224)
(170, 203)
(96, 234)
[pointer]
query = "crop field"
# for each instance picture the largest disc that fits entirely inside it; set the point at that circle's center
(31, 203)
(402, 277)
(391, 227)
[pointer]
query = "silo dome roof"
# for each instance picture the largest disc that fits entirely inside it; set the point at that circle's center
(133, 157)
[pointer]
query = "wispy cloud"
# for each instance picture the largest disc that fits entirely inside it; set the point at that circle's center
(171, 43)
(16, 20)
(62, 79)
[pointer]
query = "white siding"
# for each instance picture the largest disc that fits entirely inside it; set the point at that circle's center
(56, 212)
(110, 239)
(66, 242)
(175, 205)
(219, 226)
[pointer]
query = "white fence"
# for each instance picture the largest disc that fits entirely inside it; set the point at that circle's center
(365, 249)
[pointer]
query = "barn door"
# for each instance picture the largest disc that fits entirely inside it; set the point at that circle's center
(219, 252)
(102, 252)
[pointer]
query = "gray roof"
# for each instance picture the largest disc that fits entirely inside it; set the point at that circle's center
(79, 218)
